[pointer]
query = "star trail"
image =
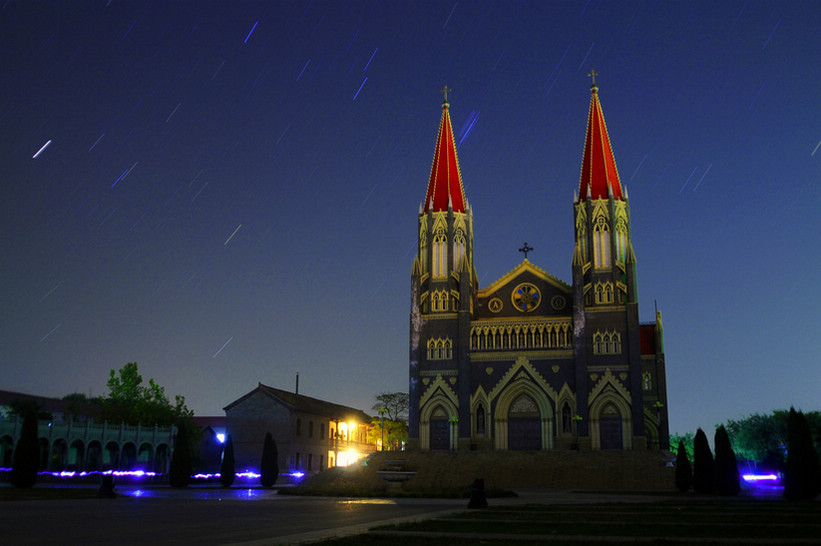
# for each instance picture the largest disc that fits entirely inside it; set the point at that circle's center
(226, 193)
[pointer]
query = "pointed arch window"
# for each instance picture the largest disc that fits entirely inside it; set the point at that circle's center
(423, 250)
(646, 382)
(480, 420)
(604, 292)
(606, 343)
(601, 243)
(621, 240)
(458, 248)
(440, 253)
(440, 349)
(567, 426)
(439, 301)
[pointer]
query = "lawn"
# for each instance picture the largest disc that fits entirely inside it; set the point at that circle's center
(705, 520)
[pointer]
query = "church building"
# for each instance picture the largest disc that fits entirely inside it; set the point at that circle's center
(531, 362)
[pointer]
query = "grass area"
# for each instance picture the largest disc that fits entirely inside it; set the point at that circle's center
(707, 520)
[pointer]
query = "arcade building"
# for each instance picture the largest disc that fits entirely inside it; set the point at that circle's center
(531, 362)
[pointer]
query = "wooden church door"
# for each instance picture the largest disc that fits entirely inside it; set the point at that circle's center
(524, 430)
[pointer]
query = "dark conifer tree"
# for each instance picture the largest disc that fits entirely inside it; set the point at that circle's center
(269, 468)
(703, 472)
(802, 476)
(726, 467)
(228, 467)
(684, 470)
(180, 471)
(26, 459)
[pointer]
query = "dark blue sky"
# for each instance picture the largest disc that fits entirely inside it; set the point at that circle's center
(230, 189)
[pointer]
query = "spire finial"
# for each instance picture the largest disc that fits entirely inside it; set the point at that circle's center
(593, 75)
(445, 91)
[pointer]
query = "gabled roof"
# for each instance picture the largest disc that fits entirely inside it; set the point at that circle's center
(306, 404)
(600, 178)
(526, 265)
(445, 184)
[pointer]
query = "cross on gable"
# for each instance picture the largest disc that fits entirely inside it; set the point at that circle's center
(526, 248)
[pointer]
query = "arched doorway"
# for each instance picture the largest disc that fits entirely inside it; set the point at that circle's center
(128, 456)
(144, 457)
(111, 456)
(439, 430)
(94, 456)
(610, 428)
(162, 458)
(6, 450)
(524, 425)
(76, 453)
(59, 455)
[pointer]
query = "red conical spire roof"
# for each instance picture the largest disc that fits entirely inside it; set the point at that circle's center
(600, 178)
(445, 185)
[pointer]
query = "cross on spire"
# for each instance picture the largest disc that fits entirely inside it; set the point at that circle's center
(525, 249)
(445, 91)
(593, 75)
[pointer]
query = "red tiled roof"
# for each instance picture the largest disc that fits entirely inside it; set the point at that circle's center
(598, 164)
(445, 185)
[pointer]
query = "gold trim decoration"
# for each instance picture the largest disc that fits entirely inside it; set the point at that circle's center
(495, 305)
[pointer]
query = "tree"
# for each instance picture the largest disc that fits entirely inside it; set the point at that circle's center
(269, 468)
(228, 466)
(130, 401)
(703, 473)
(179, 474)
(393, 418)
(760, 439)
(395, 405)
(26, 459)
(676, 442)
(684, 471)
(802, 476)
(726, 467)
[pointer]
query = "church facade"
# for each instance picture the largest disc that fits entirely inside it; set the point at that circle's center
(531, 362)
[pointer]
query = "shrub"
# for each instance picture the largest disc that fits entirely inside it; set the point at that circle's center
(26, 459)
(228, 466)
(269, 467)
(703, 473)
(684, 470)
(802, 476)
(726, 467)
(180, 472)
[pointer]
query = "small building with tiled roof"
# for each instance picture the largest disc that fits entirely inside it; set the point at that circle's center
(311, 434)
(531, 362)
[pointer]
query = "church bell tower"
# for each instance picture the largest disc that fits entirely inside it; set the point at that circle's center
(442, 298)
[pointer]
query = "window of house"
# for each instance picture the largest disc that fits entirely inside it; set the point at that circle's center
(298, 426)
(310, 429)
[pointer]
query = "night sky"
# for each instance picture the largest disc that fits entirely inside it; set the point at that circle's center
(227, 192)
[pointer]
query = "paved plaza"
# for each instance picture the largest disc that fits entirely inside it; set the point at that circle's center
(252, 516)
